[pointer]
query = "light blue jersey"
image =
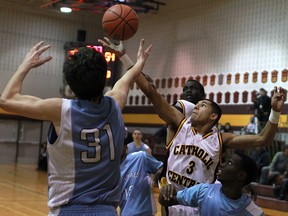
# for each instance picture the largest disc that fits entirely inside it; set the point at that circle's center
(137, 196)
(84, 160)
(212, 201)
(133, 148)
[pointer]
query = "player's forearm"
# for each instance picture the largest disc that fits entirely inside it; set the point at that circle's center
(14, 86)
(270, 129)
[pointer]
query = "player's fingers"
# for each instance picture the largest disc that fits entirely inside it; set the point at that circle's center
(148, 49)
(38, 45)
(44, 48)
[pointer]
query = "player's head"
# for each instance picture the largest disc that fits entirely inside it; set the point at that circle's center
(238, 168)
(206, 110)
(137, 135)
(85, 73)
(193, 91)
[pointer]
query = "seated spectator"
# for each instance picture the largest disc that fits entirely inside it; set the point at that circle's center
(137, 144)
(262, 158)
(251, 128)
(274, 173)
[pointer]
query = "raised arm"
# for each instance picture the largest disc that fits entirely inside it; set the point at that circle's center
(26, 105)
(122, 86)
(166, 112)
(266, 136)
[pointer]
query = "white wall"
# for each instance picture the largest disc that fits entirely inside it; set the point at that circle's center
(22, 27)
(190, 37)
(213, 37)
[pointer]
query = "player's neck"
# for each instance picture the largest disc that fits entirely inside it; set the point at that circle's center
(138, 143)
(202, 129)
(232, 191)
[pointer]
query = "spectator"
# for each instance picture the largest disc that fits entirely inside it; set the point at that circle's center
(262, 158)
(274, 173)
(262, 106)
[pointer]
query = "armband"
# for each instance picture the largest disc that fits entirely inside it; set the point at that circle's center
(274, 117)
(126, 61)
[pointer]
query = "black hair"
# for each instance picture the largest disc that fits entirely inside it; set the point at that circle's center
(85, 73)
(215, 109)
(249, 166)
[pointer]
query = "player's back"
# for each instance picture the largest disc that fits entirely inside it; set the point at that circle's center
(84, 160)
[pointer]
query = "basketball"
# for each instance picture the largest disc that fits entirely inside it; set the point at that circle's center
(120, 22)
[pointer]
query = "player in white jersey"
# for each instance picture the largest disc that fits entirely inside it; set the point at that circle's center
(86, 139)
(215, 199)
(204, 117)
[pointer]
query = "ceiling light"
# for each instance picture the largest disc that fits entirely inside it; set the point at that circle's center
(65, 10)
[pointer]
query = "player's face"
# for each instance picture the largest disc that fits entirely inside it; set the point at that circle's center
(192, 92)
(137, 135)
(228, 170)
(202, 112)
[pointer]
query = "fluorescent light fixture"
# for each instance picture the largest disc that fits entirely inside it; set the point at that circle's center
(65, 10)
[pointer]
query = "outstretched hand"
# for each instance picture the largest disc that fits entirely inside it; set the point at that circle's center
(278, 99)
(119, 49)
(143, 55)
(32, 58)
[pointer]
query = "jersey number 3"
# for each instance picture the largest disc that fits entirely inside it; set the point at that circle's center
(95, 144)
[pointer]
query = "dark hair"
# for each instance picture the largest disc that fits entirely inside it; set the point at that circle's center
(284, 147)
(249, 166)
(215, 109)
(85, 73)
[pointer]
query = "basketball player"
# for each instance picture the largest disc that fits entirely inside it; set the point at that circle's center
(137, 144)
(85, 141)
(216, 199)
(137, 196)
(195, 150)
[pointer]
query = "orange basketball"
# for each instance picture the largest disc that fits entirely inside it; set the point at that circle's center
(120, 22)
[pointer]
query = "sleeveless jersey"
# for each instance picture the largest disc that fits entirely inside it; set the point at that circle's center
(193, 157)
(186, 107)
(84, 160)
(132, 147)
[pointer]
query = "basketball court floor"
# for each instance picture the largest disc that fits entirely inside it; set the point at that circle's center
(23, 192)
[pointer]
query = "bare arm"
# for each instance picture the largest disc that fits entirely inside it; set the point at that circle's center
(26, 105)
(167, 113)
(266, 136)
(122, 86)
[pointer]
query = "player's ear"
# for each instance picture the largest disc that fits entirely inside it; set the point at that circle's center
(214, 116)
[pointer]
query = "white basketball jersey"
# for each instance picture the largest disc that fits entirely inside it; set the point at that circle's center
(186, 106)
(193, 157)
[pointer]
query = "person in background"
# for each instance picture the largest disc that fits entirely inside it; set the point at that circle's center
(226, 198)
(273, 174)
(262, 158)
(137, 144)
(137, 196)
(262, 106)
(86, 136)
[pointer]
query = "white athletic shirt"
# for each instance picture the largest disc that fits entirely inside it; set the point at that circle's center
(193, 157)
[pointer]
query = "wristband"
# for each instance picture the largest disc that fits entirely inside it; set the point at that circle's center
(274, 117)
(126, 61)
